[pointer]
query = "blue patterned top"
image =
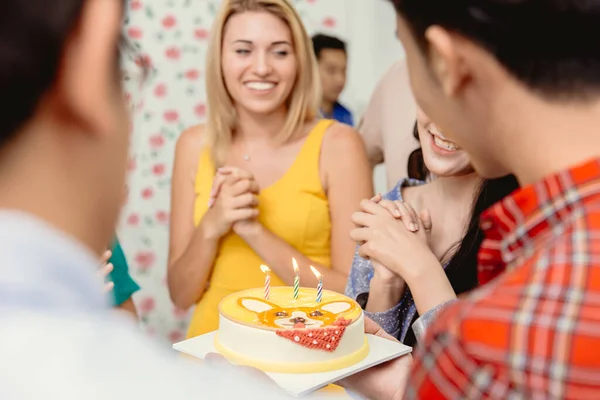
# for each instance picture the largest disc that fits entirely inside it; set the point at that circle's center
(397, 320)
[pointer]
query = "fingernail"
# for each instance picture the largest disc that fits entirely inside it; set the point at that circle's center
(397, 213)
(211, 202)
(413, 227)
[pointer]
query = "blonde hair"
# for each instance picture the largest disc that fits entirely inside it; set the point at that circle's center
(305, 97)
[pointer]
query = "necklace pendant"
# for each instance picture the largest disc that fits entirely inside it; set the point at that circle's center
(246, 157)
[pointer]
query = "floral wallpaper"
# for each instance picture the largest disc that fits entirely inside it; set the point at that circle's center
(171, 36)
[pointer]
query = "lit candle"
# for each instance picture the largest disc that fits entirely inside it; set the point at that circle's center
(320, 285)
(267, 271)
(296, 279)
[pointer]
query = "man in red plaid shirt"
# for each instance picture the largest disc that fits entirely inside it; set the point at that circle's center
(516, 83)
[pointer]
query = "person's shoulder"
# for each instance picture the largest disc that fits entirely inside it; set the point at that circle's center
(192, 137)
(342, 143)
(396, 192)
(396, 70)
(340, 136)
(189, 146)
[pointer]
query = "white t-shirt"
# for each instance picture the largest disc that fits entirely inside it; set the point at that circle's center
(60, 340)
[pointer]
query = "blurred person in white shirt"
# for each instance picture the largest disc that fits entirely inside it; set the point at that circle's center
(387, 124)
(63, 150)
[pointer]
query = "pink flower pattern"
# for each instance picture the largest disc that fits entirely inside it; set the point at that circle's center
(171, 37)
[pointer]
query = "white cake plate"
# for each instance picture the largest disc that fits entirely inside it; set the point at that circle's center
(380, 351)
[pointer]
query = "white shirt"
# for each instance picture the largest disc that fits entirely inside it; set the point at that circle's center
(60, 340)
(388, 122)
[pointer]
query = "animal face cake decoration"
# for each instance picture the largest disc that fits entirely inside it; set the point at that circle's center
(294, 335)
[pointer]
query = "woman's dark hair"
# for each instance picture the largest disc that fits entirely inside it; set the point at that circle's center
(416, 164)
(462, 268)
(556, 59)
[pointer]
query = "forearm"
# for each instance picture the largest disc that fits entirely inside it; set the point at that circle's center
(386, 295)
(278, 254)
(431, 289)
(187, 276)
(385, 306)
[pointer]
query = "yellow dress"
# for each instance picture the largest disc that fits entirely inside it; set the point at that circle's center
(295, 208)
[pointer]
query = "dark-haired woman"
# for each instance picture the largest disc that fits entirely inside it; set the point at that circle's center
(450, 235)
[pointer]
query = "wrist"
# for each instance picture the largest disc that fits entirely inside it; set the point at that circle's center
(391, 283)
(388, 295)
(428, 267)
(249, 230)
(209, 232)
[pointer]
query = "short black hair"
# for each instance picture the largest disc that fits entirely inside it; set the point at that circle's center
(322, 42)
(548, 45)
(32, 38)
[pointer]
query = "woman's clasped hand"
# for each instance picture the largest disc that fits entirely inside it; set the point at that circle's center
(395, 237)
(233, 202)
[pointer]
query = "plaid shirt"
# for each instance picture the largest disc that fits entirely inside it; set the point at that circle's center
(533, 332)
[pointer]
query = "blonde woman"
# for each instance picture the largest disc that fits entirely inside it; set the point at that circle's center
(289, 181)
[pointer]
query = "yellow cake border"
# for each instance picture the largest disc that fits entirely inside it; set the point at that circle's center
(294, 368)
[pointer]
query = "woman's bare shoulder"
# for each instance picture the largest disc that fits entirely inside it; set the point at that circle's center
(187, 150)
(191, 139)
(343, 140)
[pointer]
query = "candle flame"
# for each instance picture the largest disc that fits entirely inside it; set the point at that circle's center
(296, 269)
(265, 269)
(314, 271)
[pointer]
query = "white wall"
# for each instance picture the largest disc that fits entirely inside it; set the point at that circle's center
(373, 47)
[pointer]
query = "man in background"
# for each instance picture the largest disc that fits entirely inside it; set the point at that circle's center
(333, 63)
(387, 124)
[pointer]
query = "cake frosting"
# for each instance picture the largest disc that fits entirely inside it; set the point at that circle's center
(289, 335)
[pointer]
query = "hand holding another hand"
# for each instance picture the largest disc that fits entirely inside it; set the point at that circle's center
(233, 202)
(393, 235)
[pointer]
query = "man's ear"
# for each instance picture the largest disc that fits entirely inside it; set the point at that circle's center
(446, 60)
(89, 72)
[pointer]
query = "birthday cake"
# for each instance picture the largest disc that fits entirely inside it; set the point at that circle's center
(288, 335)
